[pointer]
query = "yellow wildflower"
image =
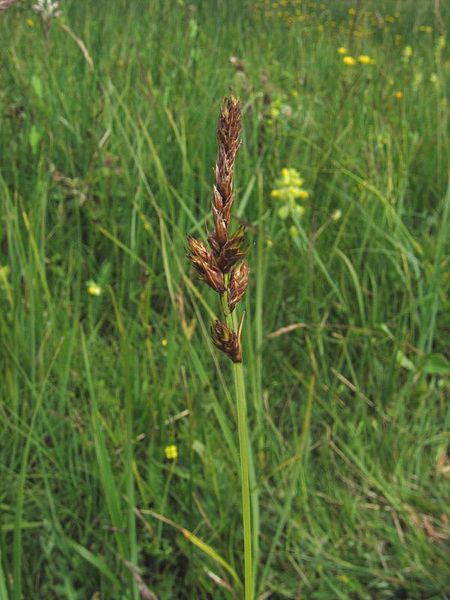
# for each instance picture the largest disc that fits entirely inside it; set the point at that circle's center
(343, 578)
(407, 51)
(288, 191)
(171, 452)
(274, 112)
(290, 177)
(349, 61)
(93, 289)
(342, 50)
(365, 60)
(398, 95)
(290, 181)
(426, 28)
(30, 22)
(336, 215)
(164, 342)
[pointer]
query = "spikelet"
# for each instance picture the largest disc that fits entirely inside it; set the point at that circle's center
(226, 340)
(223, 267)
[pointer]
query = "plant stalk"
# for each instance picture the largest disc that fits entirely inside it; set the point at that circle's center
(244, 452)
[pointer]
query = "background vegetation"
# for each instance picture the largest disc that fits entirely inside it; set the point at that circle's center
(107, 148)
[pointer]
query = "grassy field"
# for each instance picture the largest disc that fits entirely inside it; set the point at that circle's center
(107, 144)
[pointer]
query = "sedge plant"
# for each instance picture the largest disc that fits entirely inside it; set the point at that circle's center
(223, 267)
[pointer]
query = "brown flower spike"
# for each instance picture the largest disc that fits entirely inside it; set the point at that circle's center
(226, 340)
(238, 285)
(223, 267)
(205, 265)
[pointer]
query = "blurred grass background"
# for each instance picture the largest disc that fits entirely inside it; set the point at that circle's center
(104, 170)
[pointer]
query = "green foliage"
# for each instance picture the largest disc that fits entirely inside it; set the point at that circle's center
(105, 358)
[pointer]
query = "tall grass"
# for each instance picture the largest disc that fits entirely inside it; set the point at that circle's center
(102, 172)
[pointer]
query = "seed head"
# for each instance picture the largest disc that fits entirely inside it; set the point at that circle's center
(222, 267)
(232, 252)
(226, 340)
(221, 215)
(228, 132)
(205, 265)
(238, 285)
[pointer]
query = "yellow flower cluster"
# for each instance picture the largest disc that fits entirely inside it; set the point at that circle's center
(407, 52)
(171, 452)
(288, 190)
(314, 16)
(349, 61)
(93, 289)
(363, 59)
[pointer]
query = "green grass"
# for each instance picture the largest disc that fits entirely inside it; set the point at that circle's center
(103, 172)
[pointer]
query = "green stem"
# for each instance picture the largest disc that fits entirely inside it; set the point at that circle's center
(244, 452)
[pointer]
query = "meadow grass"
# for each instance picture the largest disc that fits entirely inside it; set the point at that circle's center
(103, 172)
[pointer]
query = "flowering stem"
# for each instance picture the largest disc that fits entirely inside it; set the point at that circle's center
(225, 270)
(244, 453)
